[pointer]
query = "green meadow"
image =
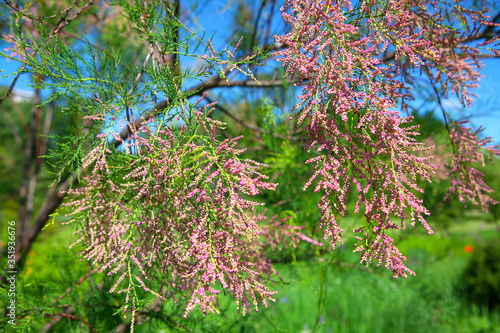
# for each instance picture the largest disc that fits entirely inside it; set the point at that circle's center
(319, 292)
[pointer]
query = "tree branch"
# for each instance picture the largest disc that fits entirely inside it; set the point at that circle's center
(23, 215)
(199, 89)
(66, 314)
(237, 119)
(54, 32)
(82, 279)
(248, 125)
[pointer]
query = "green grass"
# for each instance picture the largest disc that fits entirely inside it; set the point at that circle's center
(350, 298)
(356, 300)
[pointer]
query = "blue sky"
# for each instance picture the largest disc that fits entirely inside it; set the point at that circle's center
(485, 111)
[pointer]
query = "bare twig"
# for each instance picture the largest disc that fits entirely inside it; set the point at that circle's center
(56, 317)
(248, 125)
(63, 22)
(141, 72)
(82, 279)
(62, 12)
(256, 23)
(269, 19)
(13, 84)
(237, 119)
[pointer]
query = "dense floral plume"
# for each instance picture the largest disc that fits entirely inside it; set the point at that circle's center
(350, 93)
(177, 216)
(467, 183)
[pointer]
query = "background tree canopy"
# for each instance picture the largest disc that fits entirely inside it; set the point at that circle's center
(247, 166)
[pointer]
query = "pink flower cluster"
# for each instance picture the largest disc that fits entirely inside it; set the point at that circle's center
(467, 183)
(350, 93)
(177, 216)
